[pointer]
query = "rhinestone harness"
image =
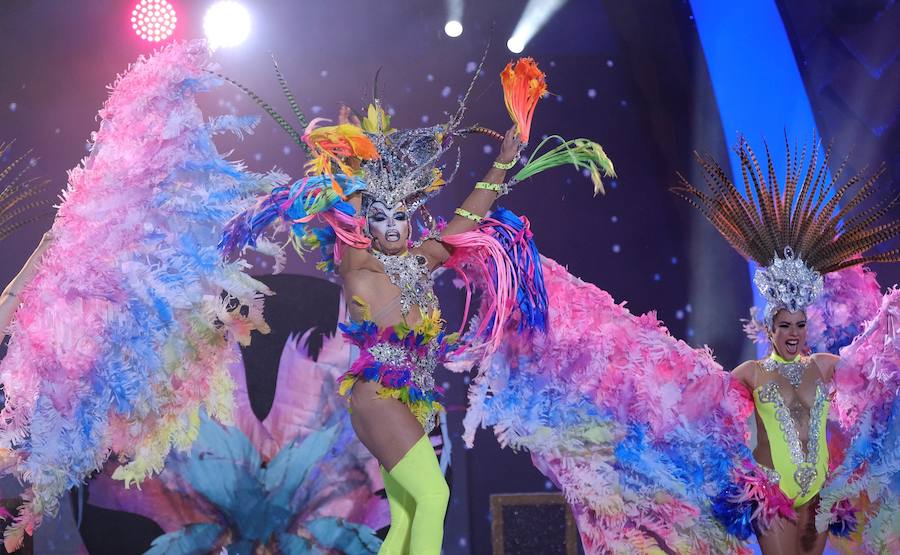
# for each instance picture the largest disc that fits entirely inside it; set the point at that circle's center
(410, 274)
(791, 371)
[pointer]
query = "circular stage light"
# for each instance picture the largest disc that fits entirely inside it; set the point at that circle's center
(515, 45)
(453, 28)
(226, 24)
(153, 20)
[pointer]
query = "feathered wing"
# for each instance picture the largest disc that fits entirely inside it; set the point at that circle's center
(867, 402)
(638, 429)
(122, 336)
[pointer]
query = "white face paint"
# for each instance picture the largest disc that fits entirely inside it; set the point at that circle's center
(389, 227)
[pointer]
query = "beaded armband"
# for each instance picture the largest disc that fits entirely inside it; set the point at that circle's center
(499, 188)
(468, 215)
(504, 165)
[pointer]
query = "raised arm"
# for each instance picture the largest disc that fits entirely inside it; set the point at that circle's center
(9, 299)
(479, 201)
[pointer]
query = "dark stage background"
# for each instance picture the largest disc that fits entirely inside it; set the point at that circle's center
(628, 74)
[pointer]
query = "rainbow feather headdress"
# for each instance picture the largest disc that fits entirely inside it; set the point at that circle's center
(359, 154)
(798, 231)
(365, 154)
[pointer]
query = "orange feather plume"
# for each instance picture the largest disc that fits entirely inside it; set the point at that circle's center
(523, 85)
(342, 145)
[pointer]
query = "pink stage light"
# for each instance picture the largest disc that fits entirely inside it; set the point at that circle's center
(153, 20)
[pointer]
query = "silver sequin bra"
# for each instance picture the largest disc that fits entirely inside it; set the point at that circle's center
(409, 272)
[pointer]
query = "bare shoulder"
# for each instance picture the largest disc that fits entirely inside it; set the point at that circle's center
(826, 363)
(744, 372)
(356, 259)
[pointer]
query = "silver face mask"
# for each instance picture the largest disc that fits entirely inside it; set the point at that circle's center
(389, 228)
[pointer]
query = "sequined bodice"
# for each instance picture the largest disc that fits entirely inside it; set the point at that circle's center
(409, 272)
(420, 362)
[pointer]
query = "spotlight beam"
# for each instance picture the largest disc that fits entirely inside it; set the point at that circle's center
(455, 8)
(535, 15)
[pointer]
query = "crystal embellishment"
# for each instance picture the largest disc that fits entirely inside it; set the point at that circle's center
(792, 371)
(806, 462)
(410, 274)
(787, 283)
(421, 368)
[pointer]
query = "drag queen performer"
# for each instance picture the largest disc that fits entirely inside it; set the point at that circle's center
(366, 180)
(378, 287)
(795, 241)
(122, 339)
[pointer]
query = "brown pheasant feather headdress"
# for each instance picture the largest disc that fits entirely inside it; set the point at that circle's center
(798, 230)
(20, 196)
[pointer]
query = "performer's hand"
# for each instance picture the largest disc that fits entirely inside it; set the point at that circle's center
(510, 147)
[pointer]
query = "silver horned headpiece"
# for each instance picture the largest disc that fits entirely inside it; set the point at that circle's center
(406, 170)
(807, 213)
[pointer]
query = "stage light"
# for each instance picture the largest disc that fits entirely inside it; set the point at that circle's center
(534, 17)
(226, 24)
(453, 28)
(153, 20)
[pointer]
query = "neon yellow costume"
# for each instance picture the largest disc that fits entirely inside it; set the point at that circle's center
(801, 471)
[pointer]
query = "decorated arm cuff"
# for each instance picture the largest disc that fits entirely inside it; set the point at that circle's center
(499, 188)
(468, 215)
(504, 165)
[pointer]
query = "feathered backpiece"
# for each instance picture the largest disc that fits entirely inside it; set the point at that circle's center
(797, 230)
(20, 201)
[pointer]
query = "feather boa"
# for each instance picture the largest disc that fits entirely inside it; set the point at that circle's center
(121, 338)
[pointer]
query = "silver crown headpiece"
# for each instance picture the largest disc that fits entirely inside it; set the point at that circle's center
(787, 283)
(406, 170)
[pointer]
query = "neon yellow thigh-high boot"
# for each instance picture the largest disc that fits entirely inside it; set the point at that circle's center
(402, 507)
(419, 473)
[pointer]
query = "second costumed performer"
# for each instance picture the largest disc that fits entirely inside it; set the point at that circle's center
(798, 231)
